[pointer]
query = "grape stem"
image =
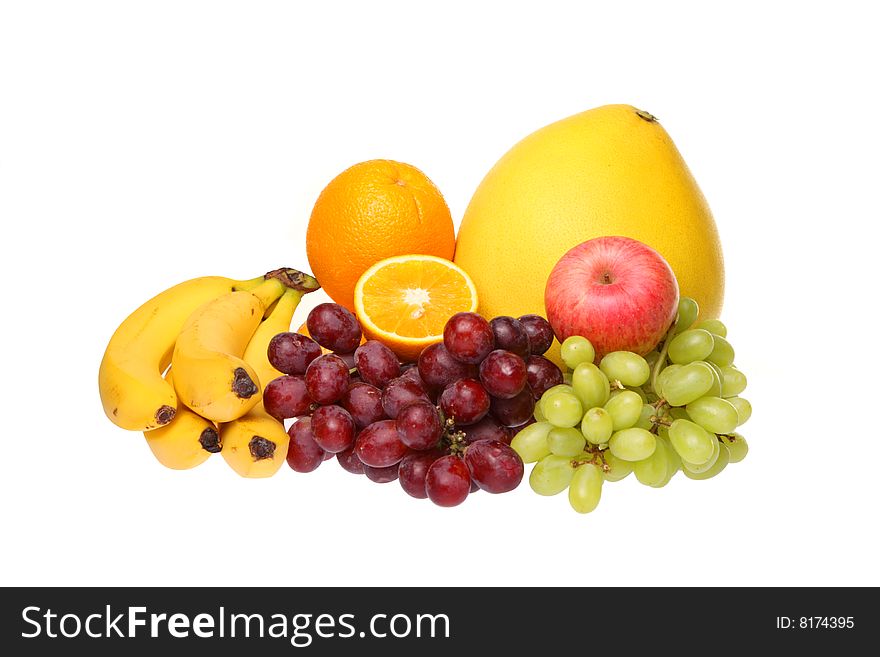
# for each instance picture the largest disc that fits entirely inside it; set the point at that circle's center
(596, 459)
(656, 420)
(661, 360)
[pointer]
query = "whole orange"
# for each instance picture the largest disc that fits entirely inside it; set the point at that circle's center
(369, 212)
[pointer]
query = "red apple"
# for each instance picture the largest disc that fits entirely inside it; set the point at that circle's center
(617, 292)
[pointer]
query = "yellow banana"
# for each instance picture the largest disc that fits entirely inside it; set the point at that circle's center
(255, 445)
(133, 392)
(210, 376)
(185, 442)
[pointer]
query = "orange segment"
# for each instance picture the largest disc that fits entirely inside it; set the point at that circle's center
(405, 301)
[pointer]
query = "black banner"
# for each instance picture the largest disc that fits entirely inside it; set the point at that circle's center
(336, 621)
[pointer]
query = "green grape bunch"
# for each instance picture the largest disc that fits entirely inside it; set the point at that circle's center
(677, 409)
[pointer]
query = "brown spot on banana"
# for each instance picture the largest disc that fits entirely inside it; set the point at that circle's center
(164, 415)
(242, 384)
(261, 448)
(210, 440)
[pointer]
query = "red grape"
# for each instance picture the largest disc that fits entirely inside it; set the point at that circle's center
(486, 429)
(540, 333)
(286, 397)
(511, 335)
(494, 466)
(364, 404)
(503, 374)
(413, 470)
(376, 363)
(350, 462)
(401, 392)
(379, 445)
(334, 327)
(412, 373)
(327, 379)
(465, 401)
(333, 428)
(381, 475)
(418, 425)
(516, 410)
(304, 454)
(543, 374)
(348, 359)
(291, 353)
(468, 337)
(448, 482)
(438, 368)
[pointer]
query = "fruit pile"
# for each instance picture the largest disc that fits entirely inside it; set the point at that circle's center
(400, 379)
(677, 408)
(441, 425)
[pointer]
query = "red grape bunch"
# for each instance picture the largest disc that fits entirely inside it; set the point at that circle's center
(442, 426)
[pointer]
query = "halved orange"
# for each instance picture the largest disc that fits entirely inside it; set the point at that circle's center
(405, 301)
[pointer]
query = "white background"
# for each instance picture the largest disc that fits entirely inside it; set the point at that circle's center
(146, 143)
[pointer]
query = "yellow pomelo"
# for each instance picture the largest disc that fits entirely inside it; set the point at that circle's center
(611, 170)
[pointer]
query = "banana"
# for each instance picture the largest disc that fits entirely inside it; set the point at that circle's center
(210, 376)
(185, 442)
(133, 392)
(255, 445)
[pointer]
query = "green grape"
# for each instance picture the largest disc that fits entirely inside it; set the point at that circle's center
(697, 468)
(736, 446)
(691, 345)
(566, 378)
(559, 387)
(625, 366)
(743, 409)
(715, 390)
(674, 462)
(733, 383)
(539, 414)
(551, 475)
(597, 426)
(565, 441)
(685, 385)
(687, 314)
(653, 470)
(585, 489)
(714, 414)
(714, 326)
(679, 413)
(590, 385)
(632, 444)
(531, 442)
(576, 350)
(567, 389)
(644, 421)
(617, 468)
(692, 442)
(665, 373)
(562, 409)
(625, 409)
(722, 352)
(720, 463)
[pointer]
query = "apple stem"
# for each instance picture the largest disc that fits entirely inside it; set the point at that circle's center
(661, 360)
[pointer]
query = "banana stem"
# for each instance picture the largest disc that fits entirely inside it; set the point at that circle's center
(294, 279)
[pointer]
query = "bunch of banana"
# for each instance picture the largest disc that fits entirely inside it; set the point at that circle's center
(201, 328)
